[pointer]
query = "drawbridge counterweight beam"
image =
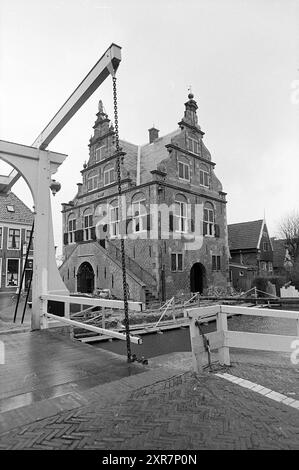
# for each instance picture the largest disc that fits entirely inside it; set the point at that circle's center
(107, 64)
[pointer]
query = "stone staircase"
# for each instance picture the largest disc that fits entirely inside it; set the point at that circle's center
(133, 267)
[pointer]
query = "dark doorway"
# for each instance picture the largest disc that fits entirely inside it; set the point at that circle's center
(85, 279)
(197, 278)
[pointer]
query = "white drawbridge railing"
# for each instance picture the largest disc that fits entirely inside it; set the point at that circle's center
(222, 339)
(67, 300)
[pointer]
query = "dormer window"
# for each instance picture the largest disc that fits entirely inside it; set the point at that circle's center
(193, 145)
(10, 208)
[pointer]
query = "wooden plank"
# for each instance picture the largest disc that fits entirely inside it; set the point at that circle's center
(96, 76)
(199, 312)
(263, 342)
(136, 306)
(96, 329)
(260, 312)
(216, 340)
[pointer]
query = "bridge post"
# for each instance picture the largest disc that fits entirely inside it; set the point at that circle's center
(197, 347)
(223, 352)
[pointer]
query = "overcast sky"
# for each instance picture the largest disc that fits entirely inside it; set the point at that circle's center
(241, 58)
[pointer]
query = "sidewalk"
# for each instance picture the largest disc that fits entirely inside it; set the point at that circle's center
(165, 406)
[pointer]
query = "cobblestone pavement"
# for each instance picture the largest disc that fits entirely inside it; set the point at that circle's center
(182, 411)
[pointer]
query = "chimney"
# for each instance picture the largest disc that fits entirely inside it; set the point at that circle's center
(79, 188)
(153, 134)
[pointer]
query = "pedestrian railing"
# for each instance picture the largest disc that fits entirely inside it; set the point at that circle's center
(223, 339)
(68, 300)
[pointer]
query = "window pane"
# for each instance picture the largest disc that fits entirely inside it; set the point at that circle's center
(201, 177)
(181, 170)
(173, 262)
(180, 262)
(206, 177)
(206, 215)
(205, 228)
(186, 172)
(218, 263)
(12, 277)
(14, 239)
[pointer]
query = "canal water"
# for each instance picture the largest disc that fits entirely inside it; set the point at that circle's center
(179, 340)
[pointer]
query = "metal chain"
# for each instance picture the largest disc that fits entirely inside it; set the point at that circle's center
(121, 226)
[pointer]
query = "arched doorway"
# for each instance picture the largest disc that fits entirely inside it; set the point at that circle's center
(85, 278)
(197, 278)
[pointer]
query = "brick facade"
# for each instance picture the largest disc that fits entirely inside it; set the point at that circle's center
(175, 215)
(15, 227)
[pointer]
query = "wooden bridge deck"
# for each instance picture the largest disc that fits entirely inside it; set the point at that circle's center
(45, 364)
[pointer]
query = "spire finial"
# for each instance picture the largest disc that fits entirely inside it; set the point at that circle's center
(190, 94)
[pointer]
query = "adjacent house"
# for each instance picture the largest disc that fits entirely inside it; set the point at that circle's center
(15, 226)
(175, 227)
(251, 253)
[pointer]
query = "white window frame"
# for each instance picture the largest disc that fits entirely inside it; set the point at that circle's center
(192, 145)
(210, 223)
(110, 180)
(71, 233)
(217, 263)
(181, 217)
(267, 244)
(263, 265)
(99, 151)
(93, 180)
(270, 266)
(184, 166)
(6, 272)
(114, 221)
(176, 254)
(139, 220)
(202, 175)
(87, 226)
(20, 231)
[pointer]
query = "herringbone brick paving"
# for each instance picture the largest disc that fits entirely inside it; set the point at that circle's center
(187, 411)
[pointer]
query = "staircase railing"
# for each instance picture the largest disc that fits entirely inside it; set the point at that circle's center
(132, 265)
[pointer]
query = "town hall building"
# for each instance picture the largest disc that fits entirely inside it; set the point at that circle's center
(174, 226)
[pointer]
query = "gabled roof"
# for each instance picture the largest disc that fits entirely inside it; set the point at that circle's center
(245, 235)
(21, 214)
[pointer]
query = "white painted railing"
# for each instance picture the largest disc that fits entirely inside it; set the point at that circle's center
(67, 300)
(222, 339)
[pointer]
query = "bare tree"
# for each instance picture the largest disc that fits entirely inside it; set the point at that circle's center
(289, 231)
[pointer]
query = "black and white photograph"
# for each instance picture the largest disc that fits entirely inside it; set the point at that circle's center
(149, 229)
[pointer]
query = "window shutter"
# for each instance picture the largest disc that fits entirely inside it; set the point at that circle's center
(171, 222)
(65, 238)
(129, 225)
(148, 222)
(79, 236)
(93, 233)
(192, 225)
(217, 230)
